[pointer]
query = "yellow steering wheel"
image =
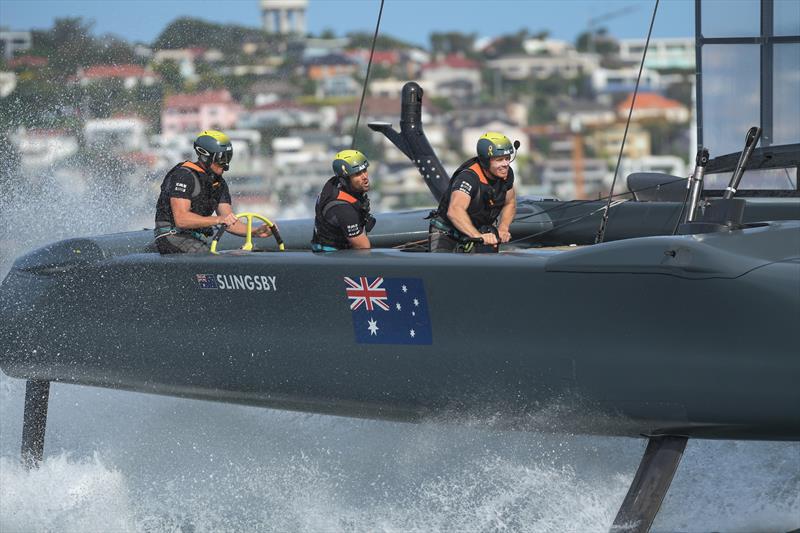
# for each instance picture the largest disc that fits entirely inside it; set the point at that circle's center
(248, 243)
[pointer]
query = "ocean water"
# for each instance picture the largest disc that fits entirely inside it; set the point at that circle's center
(126, 462)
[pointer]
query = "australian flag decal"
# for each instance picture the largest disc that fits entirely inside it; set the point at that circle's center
(389, 310)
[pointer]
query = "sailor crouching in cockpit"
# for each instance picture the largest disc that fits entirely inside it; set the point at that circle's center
(191, 193)
(342, 218)
(480, 192)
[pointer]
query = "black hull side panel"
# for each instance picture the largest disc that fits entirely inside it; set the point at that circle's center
(620, 338)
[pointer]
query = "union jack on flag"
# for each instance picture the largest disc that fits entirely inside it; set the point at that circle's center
(366, 293)
(389, 310)
(206, 281)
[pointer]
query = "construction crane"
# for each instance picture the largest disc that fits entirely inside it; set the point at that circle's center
(592, 23)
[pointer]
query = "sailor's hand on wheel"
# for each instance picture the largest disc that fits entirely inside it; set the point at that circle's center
(262, 231)
(505, 235)
(229, 219)
(489, 238)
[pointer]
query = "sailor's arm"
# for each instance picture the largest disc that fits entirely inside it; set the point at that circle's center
(507, 216)
(457, 213)
(360, 242)
(186, 219)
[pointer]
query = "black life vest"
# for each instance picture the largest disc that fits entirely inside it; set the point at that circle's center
(205, 197)
(485, 206)
(333, 194)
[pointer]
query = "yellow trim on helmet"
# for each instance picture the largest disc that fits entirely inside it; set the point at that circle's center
(218, 135)
(498, 139)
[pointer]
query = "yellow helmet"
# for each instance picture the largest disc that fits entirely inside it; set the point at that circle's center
(493, 144)
(213, 146)
(349, 162)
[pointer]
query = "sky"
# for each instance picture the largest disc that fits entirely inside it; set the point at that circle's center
(410, 20)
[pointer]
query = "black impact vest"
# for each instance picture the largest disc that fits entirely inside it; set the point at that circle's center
(485, 206)
(333, 194)
(205, 197)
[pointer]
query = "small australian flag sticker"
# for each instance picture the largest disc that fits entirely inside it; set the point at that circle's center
(389, 310)
(206, 281)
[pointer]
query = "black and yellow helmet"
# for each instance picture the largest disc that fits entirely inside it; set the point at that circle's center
(213, 146)
(349, 162)
(493, 144)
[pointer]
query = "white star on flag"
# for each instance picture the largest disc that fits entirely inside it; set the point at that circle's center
(411, 333)
(373, 327)
(416, 302)
(405, 289)
(398, 306)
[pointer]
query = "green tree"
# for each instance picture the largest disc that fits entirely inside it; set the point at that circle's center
(191, 32)
(383, 42)
(69, 45)
(453, 42)
(170, 75)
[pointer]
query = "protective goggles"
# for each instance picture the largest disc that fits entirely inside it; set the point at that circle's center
(223, 158)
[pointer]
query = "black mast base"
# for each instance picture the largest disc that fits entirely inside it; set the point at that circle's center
(650, 485)
(37, 397)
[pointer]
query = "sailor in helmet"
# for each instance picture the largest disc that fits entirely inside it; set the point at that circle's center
(480, 192)
(342, 211)
(190, 195)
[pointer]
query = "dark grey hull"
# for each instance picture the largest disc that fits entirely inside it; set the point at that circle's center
(678, 335)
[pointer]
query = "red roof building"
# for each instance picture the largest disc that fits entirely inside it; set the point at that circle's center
(209, 110)
(131, 75)
(653, 106)
(27, 61)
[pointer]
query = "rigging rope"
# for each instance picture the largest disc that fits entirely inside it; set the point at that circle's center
(366, 79)
(601, 232)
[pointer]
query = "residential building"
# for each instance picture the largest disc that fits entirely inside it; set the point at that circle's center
(551, 47)
(329, 66)
(453, 77)
(323, 47)
(287, 114)
(130, 75)
(27, 61)
(118, 134)
(198, 112)
(653, 106)
(8, 82)
(558, 177)
(623, 80)
(579, 115)
(12, 42)
(384, 58)
(338, 86)
(184, 58)
(271, 91)
(570, 64)
(387, 87)
(44, 148)
(606, 141)
(662, 54)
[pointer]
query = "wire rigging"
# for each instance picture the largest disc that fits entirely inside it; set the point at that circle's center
(601, 232)
(366, 79)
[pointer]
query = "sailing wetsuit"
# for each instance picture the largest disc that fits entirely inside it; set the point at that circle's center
(205, 190)
(340, 215)
(487, 199)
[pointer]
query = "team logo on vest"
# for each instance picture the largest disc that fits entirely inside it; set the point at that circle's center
(237, 282)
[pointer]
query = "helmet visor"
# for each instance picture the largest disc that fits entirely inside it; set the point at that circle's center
(223, 158)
